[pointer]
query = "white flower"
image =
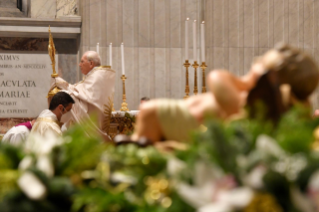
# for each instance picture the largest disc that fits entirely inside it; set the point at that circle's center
(237, 198)
(216, 207)
(175, 166)
(42, 145)
(228, 201)
(314, 181)
(269, 146)
(255, 178)
(45, 165)
(301, 201)
(197, 196)
(32, 186)
(123, 178)
(290, 165)
(26, 163)
(213, 190)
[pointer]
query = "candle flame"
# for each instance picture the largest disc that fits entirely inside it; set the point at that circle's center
(187, 19)
(194, 20)
(203, 22)
(110, 43)
(122, 44)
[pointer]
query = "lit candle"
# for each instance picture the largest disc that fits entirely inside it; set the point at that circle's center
(110, 53)
(202, 29)
(98, 48)
(194, 41)
(186, 39)
(123, 65)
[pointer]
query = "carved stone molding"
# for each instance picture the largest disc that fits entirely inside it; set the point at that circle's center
(38, 28)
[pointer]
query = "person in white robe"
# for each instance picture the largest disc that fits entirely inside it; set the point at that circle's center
(49, 119)
(19, 133)
(93, 95)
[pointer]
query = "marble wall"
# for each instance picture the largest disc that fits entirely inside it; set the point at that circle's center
(239, 30)
(153, 33)
(43, 8)
(66, 7)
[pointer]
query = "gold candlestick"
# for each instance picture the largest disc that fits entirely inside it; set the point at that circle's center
(195, 66)
(186, 65)
(203, 67)
(124, 104)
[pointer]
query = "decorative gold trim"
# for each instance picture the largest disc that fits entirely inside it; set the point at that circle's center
(186, 65)
(104, 66)
(195, 66)
(107, 67)
(52, 92)
(48, 120)
(42, 119)
(107, 115)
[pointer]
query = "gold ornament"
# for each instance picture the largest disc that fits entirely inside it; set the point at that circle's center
(157, 192)
(195, 66)
(51, 49)
(186, 65)
(203, 67)
(124, 104)
(107, 116)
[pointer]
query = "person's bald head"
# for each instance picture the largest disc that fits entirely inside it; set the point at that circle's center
(89, 60)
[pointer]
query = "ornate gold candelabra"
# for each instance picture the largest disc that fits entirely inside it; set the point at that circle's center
(186, 65)
(124, 104)
(195, 66)
(203, 67)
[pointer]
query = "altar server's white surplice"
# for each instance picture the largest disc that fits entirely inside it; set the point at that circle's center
(16, 135)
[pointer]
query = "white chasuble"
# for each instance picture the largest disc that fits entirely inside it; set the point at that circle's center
(93, 96)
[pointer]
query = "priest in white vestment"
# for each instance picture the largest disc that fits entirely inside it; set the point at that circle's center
(49, 119)
(93, 95)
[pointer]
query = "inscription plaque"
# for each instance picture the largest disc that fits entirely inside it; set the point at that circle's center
(24, 84)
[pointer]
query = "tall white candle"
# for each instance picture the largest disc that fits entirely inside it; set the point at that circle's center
(122, 53)
(110, 53)
(202, 39)
(186, 39)
(194, 41)
(98, 48)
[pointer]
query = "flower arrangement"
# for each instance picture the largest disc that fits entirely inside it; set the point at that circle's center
(245, 165)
